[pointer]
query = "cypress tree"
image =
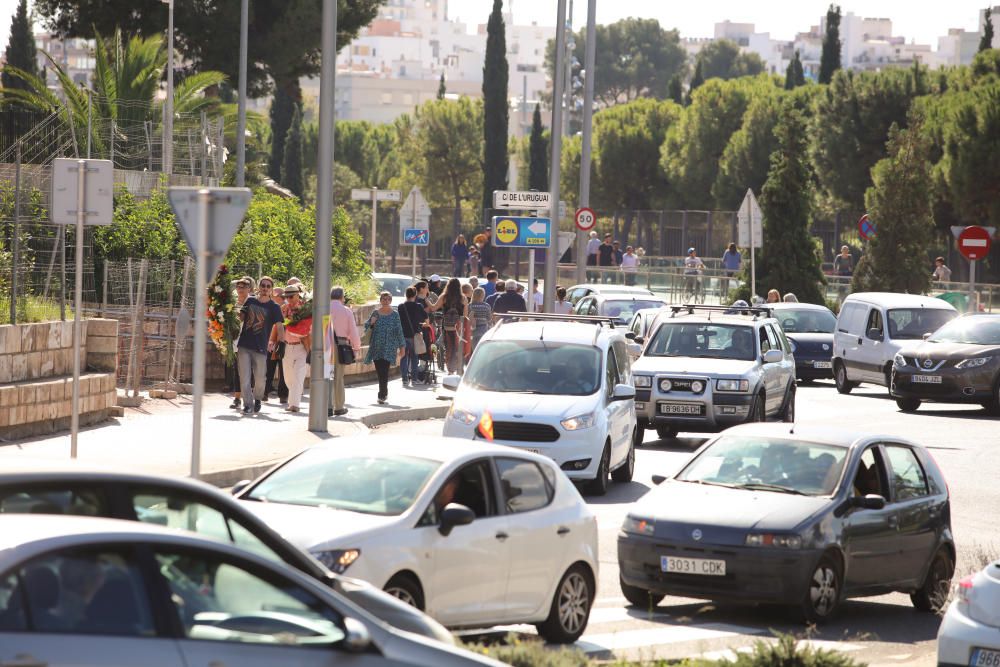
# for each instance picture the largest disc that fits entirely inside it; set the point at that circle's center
(538, 149)
(282, 110)
(291, 167)
(441, 88)
(986, 41)
(21, 50)
(696, 81)
(829, 61)
(675, 90)
(794, 75)
(495, 108)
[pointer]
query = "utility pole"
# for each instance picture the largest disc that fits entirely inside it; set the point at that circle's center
(551, 256)
(585, 149)
(241, 108)
(568, 81)
(168, 106)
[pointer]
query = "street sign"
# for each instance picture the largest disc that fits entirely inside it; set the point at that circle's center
(521, 200)
(365, 194)
(585, 219)
(521, 232)
(974, 242)
(415, 236)
(750, 221)
(225, 213)
(99, 191)
(414, 206)
(866, 228)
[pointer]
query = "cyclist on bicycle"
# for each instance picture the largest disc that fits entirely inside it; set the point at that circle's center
(693, 267)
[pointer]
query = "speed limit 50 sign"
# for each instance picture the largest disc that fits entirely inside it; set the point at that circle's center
(585, 219)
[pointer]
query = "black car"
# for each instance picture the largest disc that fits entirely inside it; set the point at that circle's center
(176, 502)
(805, 518)
(810, 329)
(958, 363)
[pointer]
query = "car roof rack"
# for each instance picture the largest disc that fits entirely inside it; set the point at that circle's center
(692, 308)
(555, 317)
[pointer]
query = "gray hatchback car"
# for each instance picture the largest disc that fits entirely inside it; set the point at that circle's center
(801, 516)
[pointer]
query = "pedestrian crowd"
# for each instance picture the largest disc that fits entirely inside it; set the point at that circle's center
(608, 263)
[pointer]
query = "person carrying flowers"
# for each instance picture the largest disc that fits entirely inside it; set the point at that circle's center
(298, 340)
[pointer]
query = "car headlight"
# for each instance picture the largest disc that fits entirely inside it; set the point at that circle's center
(769, 540)
(462, 416)
(732, 385)
(579, 422)
(642, 381)
(975, 362)
(899, 360)
(697, 386)
(638, 526)
(338, 560)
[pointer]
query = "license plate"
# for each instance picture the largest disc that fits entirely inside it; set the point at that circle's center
(982, 657)
(822, 364)
(705, 566)
(927, 379)
(679, 409)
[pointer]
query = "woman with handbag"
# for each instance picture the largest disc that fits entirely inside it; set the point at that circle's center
(412, 316)
(297, 344)
(387, 343)
(456, 311)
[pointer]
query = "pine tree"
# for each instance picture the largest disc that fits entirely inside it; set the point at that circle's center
(442, 90)
(21, 51)
(538, 149)
(790, 258)
(794, 75)
(696, 81)
(282, 110)
(291, 166)
(986, 41)
(829, 61)
(495, 107)
(675, 90)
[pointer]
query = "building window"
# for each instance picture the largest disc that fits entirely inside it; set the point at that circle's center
(386, 98)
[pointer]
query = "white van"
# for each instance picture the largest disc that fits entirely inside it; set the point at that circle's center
(873, 326)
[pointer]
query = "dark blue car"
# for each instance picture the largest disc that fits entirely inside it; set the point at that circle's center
(810, 330)
(805, 518)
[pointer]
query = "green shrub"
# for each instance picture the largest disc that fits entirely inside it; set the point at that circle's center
(532, 653)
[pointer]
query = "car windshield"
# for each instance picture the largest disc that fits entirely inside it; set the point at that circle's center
(536, 367)
(978, 330)
(395, 286)
(768, 464)
(385, 485)
(624, 309)
(712, 341)
(913, 323)
(806, 320)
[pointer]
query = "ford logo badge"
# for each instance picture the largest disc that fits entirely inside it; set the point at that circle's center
(696, 534)
(825, 347)
(928, 363)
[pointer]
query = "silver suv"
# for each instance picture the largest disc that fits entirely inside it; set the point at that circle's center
(705, 368)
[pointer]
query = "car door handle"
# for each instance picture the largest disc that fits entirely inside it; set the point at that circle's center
(563, 530)
(893, 521)
(23, 660)
(502, 536)
(861, 342)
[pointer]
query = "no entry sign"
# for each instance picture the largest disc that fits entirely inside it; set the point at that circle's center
(974, 242)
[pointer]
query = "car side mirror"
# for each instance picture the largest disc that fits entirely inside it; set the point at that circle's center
(659, 479)
(774, 357)
(623, 392)
(871, 501)
(451, 382)
(239, 487)
(356, 639)
(634, 350)
(454, 515)
(630, 335)
(875, 334)
(927, 335)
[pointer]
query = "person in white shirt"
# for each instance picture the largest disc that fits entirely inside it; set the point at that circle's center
(592, 245)
(941, 272)
(630, 265)
(537, 299)
(561, 306)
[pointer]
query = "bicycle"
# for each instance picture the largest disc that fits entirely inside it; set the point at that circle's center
(694, 289)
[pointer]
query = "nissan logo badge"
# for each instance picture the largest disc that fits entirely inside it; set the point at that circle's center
(696, 534)
(928, 363)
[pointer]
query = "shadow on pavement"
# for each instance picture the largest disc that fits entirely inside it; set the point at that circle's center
(617, 494)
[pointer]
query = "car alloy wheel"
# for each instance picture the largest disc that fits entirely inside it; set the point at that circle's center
(933, 595)
(624, 472)
(844, 386)
(405, 589)
(823, 594)
(570, 609)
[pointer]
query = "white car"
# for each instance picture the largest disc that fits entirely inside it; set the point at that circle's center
(557, 386)
(472, 533)
(577, 292)
(87, 592)
(970, 631)
(395, 284)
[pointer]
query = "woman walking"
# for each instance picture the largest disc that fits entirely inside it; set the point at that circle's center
(296, 348)
(459, 256)
(480, 315)
(387, 342)
(456, 311)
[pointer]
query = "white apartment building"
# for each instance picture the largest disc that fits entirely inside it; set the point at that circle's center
(75, 56)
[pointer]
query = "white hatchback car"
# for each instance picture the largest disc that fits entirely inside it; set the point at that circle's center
(970, 631)
(472, 533)
(554, 385)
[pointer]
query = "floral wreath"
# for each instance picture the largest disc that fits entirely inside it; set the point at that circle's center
(299, 321)
(223, 320)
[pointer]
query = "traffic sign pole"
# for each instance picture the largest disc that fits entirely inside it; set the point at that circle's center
(81, 214)
(374, 221)
(973, 307)
(200, 329)
(554, 158)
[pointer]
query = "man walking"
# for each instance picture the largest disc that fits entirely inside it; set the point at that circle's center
(258, 315)
(412, 316)
(592, 245)
(606, 259)
(491, 283)
(343, 330)
(501, 287)
(509, 300)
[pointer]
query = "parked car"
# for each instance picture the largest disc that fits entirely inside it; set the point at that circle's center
(176, 502)
(473, 533)
(577, 292)
(705, 368)
(621, 307)
(395, 284)
(958, 363)
(873, 326)
(809, 328)
(86, 591)
(641, 324)
(807, 517)
(970, 631)
(556, 387)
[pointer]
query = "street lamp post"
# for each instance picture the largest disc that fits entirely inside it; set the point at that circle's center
(241, 122)
(168, 105)
(588, 113)
(551, 255)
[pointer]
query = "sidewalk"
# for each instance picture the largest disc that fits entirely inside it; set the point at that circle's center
(156, 437)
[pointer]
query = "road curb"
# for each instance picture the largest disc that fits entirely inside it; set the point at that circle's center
(408, 414)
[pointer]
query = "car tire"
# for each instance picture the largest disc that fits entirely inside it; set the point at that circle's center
(599, 485)
(757, 412)
(639, 597)
(788, 409)
(933, 594)
(623, 473)
(666, 432)
(844, 386)
(570, 608)
(992, 406)
(406, 588)
(823, 591)
(888, 379)
(639, 433)
(908, 404)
